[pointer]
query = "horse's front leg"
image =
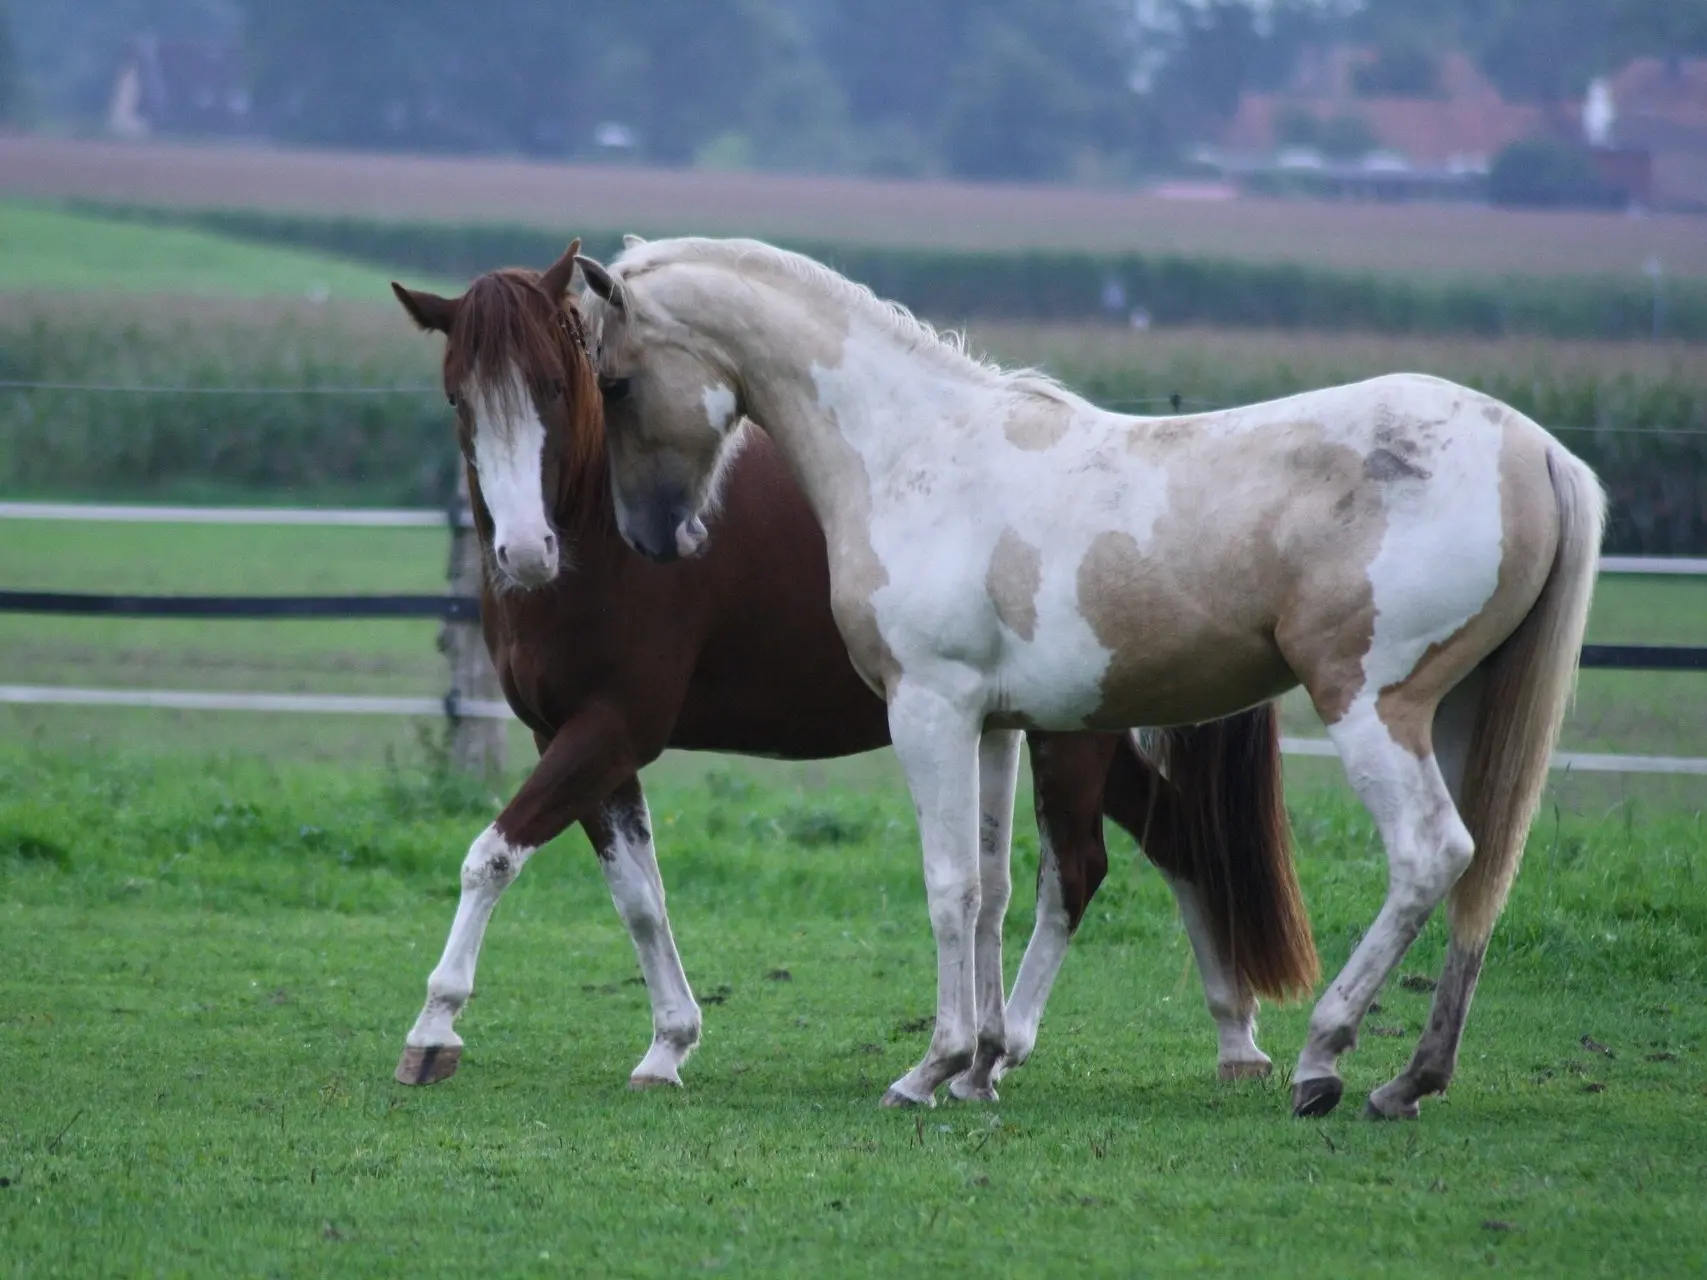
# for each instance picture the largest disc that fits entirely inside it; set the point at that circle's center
(586, 759)
(998, 772)
(621, 832)
(936, 740)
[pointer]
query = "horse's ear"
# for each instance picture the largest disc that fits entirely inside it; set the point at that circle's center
(632, 241)
(555, 278)
(599, 280)
(427, 310)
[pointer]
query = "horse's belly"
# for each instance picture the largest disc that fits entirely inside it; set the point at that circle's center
(1139, 685)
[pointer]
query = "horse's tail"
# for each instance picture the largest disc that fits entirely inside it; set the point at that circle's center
(1529, 683)
(1219, 821)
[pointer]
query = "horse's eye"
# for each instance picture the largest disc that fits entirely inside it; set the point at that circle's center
(613, 389)
(450, 399)
(557, 389)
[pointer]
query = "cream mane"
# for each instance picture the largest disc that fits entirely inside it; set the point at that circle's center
(740, 255)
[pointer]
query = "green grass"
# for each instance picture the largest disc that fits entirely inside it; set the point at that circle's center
(47, 250)
(207, 965)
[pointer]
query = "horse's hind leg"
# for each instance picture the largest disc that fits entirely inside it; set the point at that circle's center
(1231, 1002)
(1428, 848)
(998, 772)
(1068, 772)
(621, 832)
(1436, 1058)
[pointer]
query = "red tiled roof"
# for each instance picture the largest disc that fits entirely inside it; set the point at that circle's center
(1425, 131)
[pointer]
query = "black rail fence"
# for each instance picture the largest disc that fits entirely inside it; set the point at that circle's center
(1610, 657)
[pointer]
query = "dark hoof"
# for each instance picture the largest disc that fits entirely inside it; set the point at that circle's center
(428, 1065)
(1314, 1098)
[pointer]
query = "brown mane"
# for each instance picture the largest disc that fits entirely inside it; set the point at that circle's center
(507, 316)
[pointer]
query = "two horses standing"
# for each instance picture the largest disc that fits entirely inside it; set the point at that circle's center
(911, 546)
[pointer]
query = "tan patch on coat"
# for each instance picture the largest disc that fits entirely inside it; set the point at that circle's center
(1330, 533)
(1244, 591)
(1015, 574)
(1529, 540)
(1037, 422)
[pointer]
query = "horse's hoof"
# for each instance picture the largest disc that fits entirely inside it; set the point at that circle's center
(895, 1098)
(1313, 1098)
(428, 1064)
(1391, 1107)
(638, 1082)
(962, 1092)
(1245, 1070)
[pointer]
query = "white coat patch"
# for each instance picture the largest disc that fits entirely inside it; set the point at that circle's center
(719, 405)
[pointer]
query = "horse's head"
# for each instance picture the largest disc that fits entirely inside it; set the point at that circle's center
(518, 374)
(670, 412)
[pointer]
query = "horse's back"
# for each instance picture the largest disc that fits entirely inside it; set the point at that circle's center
(1183, 568)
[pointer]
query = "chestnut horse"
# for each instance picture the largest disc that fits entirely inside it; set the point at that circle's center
(609, 659)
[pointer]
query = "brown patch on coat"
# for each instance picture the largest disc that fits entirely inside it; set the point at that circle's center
(1037, 422)
(1384, 465)
(1015, 574)
(1529, 535)
(1292, 598)
(1327, 622)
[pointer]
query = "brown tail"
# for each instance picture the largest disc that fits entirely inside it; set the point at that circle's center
(1219, 821)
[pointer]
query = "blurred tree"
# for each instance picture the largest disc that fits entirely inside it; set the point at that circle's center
(1040, 86)
(1544, 173)
(1346, 136)
(11, 86)
(1211, 54)
(1403, 69)
(528, 75)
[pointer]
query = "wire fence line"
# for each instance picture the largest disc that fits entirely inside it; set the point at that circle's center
(1176, 403)
(426, 517)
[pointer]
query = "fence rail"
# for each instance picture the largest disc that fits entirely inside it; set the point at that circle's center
(426, 518)
(465, 610)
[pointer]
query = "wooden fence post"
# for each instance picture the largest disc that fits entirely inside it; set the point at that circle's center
(476, 742)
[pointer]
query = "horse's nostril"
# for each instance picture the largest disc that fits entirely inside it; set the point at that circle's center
(503, 555)
(550, 546)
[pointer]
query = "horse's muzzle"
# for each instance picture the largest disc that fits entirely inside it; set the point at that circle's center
(665, 534)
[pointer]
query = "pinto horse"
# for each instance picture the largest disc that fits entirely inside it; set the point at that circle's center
(1004, 555)
(609, 659)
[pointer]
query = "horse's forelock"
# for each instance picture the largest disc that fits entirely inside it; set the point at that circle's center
(507, 321)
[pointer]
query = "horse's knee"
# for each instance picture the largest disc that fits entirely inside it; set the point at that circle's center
(492, 862)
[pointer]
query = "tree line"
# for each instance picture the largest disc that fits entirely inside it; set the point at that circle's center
(1026, 89)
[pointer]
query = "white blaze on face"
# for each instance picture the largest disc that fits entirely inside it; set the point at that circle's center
(509, 452)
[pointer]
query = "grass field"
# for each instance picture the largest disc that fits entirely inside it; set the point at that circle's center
(51, 251)
(1410, 238)
(207, 965)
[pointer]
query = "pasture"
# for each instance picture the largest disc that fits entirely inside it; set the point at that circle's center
(49, 250)
(1436, 239)
(215, 929)
(207, 963)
